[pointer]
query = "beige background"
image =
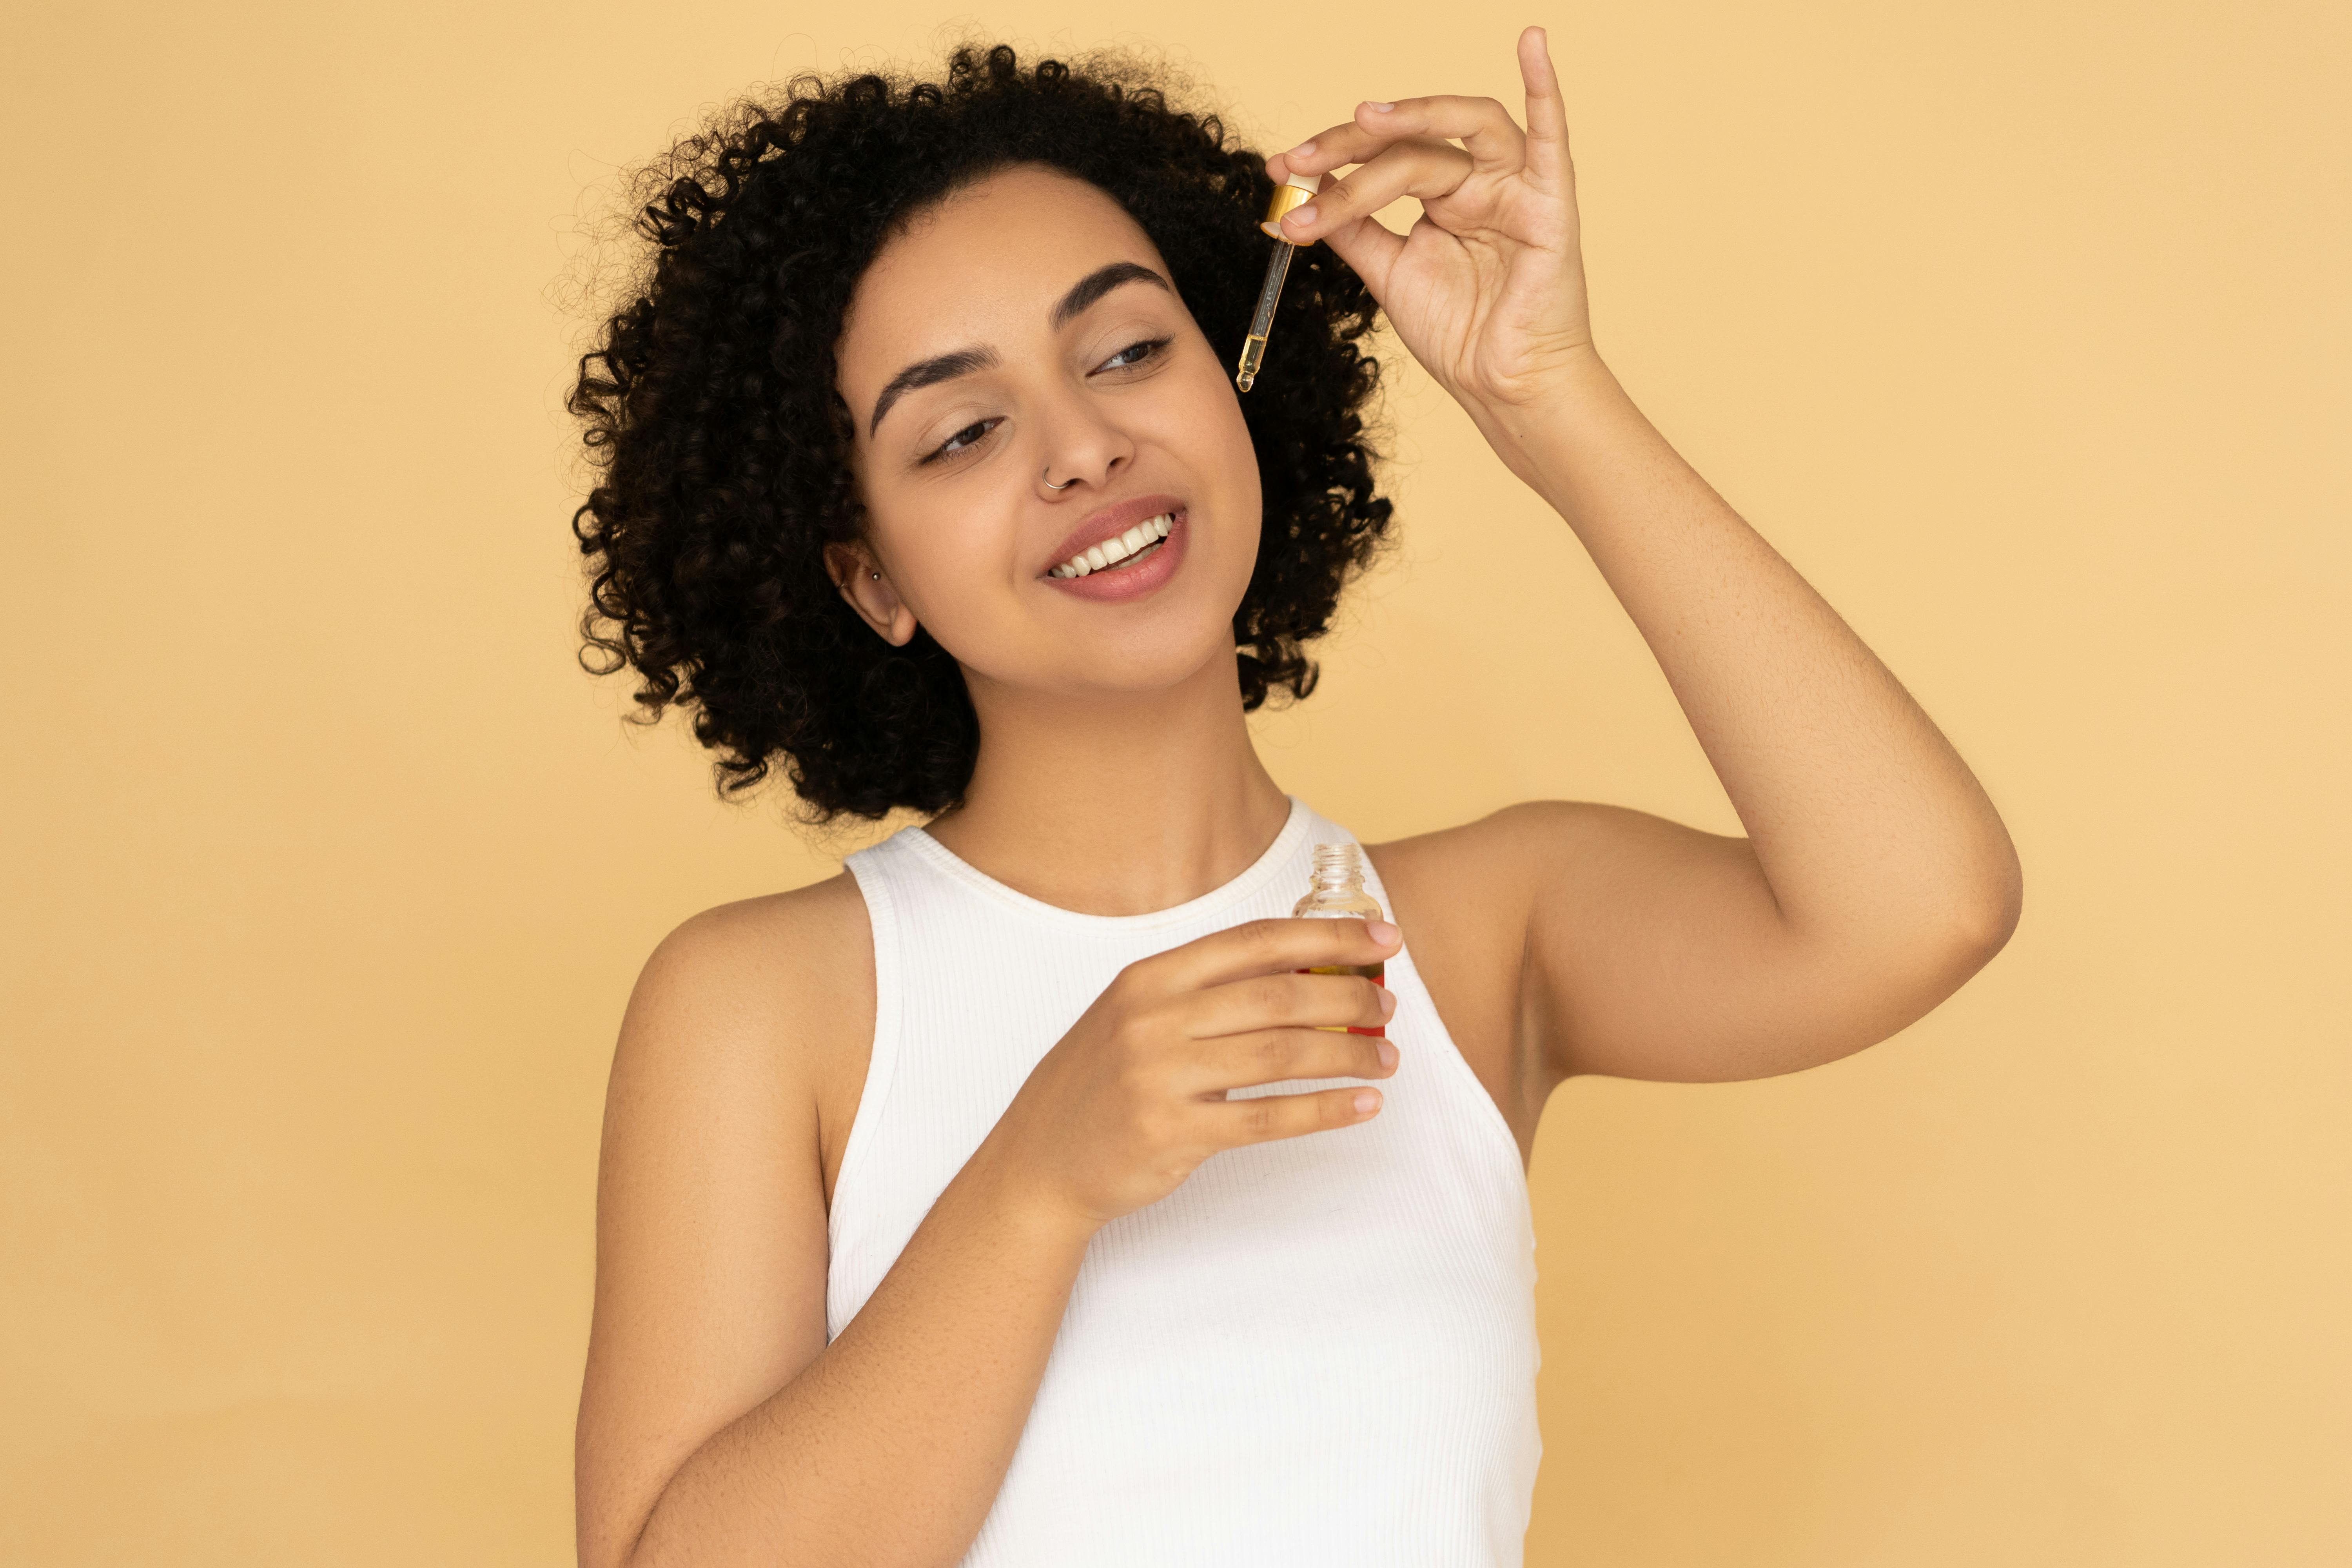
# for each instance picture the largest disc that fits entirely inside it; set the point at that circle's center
(2021, 329)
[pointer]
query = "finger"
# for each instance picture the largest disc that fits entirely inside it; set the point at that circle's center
(1372, 248)
(1279, 167)
(1263, 1117)
(1547, 150)
(1285, 1001)
(1333, 147)
(1276, 1056)
(1483, 126)
(1270, 947)
(1425, 170)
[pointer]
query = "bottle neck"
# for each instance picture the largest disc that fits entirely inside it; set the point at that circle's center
(1339, 871)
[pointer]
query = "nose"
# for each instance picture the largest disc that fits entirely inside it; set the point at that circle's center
(1079, 450)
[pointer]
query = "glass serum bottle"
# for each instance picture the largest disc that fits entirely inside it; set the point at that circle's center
(1337, 893)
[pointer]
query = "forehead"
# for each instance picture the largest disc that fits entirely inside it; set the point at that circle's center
(981, 263)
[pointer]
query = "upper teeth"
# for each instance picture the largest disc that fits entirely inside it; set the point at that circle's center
(1096, 557)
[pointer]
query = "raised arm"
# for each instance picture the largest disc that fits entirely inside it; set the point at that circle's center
(1875, 876)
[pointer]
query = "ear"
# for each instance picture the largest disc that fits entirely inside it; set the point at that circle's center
(865, 588)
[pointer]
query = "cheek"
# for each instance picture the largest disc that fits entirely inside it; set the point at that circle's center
(949, 556)
(1205, 430)
(1241, 461)
(1243, 500)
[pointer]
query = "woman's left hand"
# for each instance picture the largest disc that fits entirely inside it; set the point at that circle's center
(1487, 290)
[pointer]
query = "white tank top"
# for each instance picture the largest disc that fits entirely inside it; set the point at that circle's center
(1319, 1350)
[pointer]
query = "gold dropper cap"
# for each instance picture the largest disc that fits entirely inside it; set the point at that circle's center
(1293, 192)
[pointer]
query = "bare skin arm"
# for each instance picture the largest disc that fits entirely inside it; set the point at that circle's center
(1875, 879)
(1875, 875)
(716, 1426)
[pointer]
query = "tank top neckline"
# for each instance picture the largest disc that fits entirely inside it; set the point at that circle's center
(1273, 860)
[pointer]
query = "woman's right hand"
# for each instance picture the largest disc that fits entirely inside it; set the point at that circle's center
(1133, 1099)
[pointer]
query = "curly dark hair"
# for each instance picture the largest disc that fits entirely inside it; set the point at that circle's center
(721, 446)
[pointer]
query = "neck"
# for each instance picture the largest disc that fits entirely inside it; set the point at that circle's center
(1115, 804)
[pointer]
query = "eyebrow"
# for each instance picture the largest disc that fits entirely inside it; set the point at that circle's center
(929, 373)
(1101, 281)
(963, 361)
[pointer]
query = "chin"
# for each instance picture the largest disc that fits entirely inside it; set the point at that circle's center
(1138, 661)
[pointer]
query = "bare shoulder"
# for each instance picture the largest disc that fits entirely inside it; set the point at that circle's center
(749, 1024)
(1480, 845)
(783, 975)
(1490, 870)
(1487, 906)
(1463, 897)
(795, 940)
(773, 993)
(1564, 854)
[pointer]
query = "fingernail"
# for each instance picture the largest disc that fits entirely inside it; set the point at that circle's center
(1302, 217)
(1388, 1003)
(1383, 932)
(1368, 1101)
(1304, 149)
(1388, 1055)
(1379, 107)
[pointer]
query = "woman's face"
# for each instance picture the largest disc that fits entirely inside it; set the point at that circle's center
(1024, 329)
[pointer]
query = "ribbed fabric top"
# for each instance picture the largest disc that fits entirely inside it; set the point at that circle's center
(1318, 1351)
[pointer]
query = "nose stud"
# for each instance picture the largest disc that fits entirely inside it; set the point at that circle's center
(1050, 485)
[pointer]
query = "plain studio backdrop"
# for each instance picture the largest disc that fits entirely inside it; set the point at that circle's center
(2020, 329)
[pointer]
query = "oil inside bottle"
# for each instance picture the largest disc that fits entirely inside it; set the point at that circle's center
(1337, 893)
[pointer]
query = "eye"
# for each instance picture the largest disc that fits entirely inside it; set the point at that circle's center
(963, 440)
(1135, 355)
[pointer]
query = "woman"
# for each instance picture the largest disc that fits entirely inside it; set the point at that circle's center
(1013, 1198)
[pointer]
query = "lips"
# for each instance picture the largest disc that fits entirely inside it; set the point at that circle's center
(1101, 527)
(1133, 577)
(1123, 547)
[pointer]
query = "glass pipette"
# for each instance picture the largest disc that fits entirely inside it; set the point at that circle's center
(1291, 193)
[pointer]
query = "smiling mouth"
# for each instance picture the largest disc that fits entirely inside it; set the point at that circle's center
(1124, 549)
